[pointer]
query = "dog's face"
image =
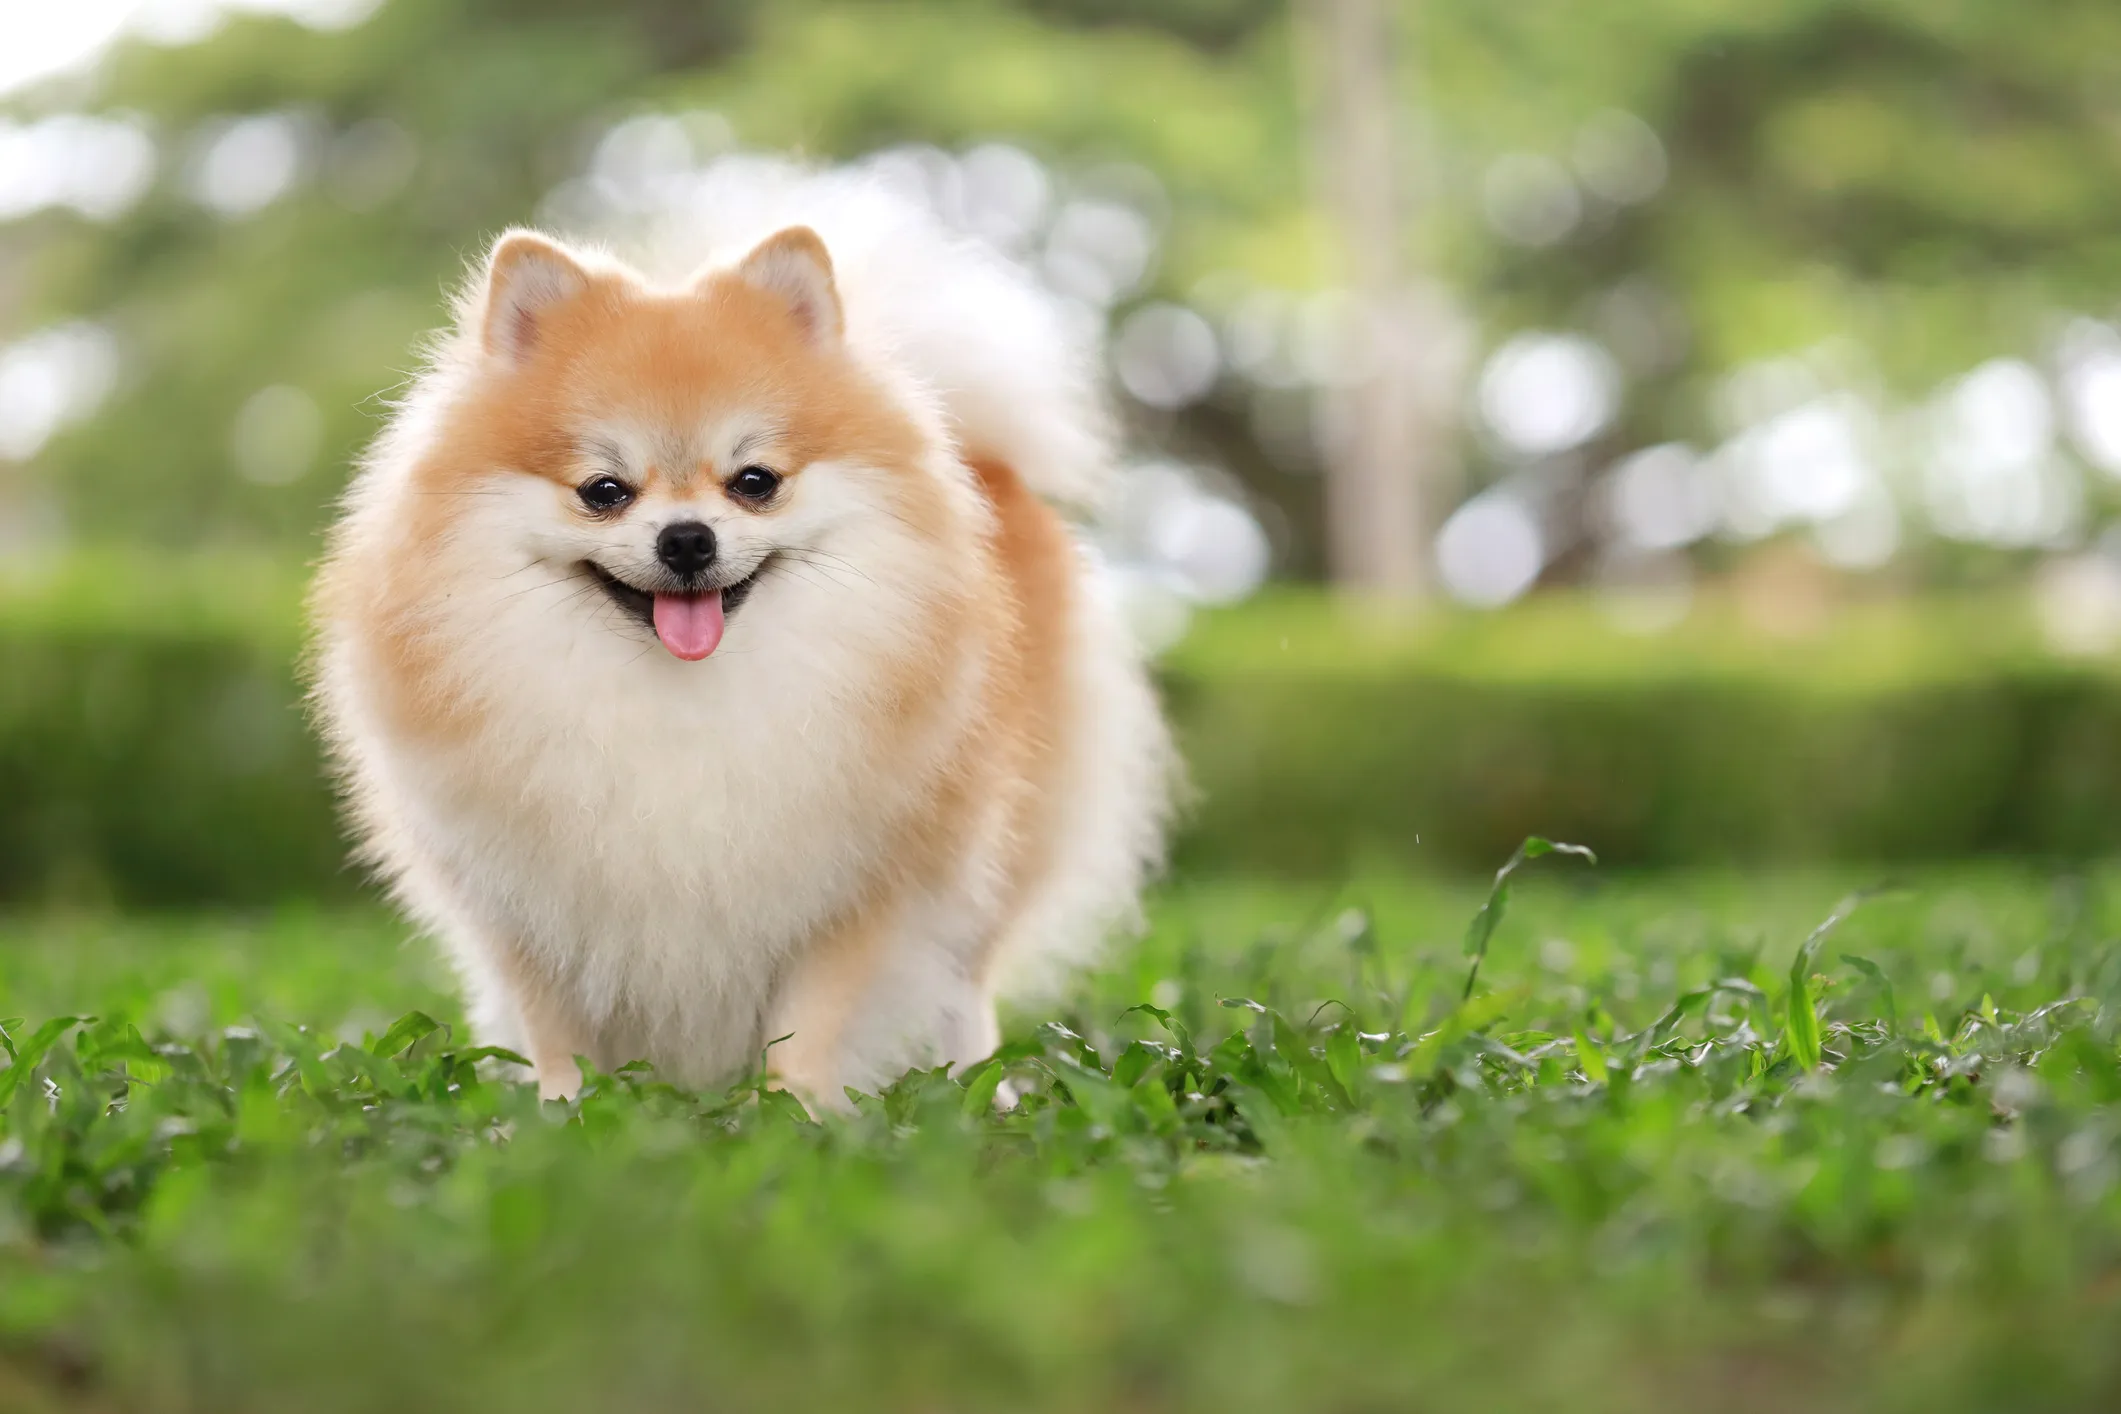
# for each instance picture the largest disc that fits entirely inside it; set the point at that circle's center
(679, 455)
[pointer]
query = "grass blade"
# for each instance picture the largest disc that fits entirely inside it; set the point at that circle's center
(1884, 984)
(404, 1033)
(23, 1058)
(1801, 1018)
(1591, 1059)
(1484, 923)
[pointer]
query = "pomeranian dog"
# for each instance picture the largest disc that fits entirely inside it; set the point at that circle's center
(706, 662)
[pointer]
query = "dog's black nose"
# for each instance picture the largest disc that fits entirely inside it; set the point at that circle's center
(685, 548)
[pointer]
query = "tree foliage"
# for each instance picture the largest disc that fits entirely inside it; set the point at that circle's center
(1933, 182)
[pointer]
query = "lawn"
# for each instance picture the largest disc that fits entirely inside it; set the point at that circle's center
(1666, 1155)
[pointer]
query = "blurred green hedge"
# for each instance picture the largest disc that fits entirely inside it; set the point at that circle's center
(152, 750)
(1899, 731)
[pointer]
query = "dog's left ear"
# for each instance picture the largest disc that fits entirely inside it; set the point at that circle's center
(527, 277)
(793, 266)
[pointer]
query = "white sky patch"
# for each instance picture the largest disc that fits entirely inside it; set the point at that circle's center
(1809, 465)
(1993, 474)
(644, 163)
(1661, 498)
(1530, 199)
(244, 165)
(49, 381)
(2091, 390)
(1099, 251)
(1216, 547)
(1170, 525)
(1008, 194)
(98, 166)
(41, 39)
(1166, 355)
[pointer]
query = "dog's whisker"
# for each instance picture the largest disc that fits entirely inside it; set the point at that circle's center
(828, 562)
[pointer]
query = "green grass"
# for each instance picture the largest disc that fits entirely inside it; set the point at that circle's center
(1650, 1163)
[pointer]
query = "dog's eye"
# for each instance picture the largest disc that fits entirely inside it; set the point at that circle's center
(604, 493)
(754, 484)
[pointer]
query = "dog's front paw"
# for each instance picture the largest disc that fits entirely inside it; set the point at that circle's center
(561, 1081)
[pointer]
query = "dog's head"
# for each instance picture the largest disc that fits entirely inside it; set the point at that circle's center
(680, 454)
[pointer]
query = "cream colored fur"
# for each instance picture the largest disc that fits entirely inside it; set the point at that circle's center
(633, 857)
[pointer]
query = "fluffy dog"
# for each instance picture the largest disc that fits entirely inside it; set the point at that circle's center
(706, 665)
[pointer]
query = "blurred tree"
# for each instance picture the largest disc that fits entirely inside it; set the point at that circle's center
(1934, 182)
(401, 143)
(1914, 187)
(418, 134)
(1377, 514)
(1211, 24)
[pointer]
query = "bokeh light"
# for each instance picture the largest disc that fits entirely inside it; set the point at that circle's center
(1490, 551)
(1530, 199)
(242, 165)
(1542, 393)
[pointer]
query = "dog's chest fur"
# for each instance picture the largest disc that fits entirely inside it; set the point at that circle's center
(656, 836)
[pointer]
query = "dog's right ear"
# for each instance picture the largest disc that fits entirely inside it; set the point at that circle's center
(527, 276)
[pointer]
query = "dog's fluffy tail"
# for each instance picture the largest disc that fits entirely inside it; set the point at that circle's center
(1012, 376)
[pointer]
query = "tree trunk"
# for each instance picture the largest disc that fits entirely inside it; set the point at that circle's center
(1376, 533)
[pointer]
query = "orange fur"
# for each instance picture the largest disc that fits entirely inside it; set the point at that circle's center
(1027, 607)
(1035, 559)
(674, 357)
(931, 774)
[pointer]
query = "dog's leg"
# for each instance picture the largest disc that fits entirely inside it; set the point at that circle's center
(816, 1004)
(970, 1033)
(553, 1041)
(545, 1029)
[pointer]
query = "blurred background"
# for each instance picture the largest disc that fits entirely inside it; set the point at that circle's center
(1692, 428)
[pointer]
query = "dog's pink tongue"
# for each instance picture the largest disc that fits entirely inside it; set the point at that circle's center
(690, 625)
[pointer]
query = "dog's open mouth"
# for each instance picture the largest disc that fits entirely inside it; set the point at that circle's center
(689, 625)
